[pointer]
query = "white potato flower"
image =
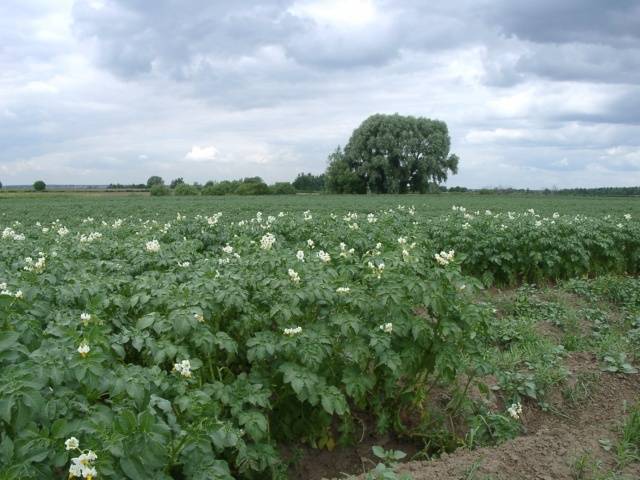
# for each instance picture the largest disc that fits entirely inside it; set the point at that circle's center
(153, 246)
(444, 258)
(84, 349)
(324, 256)
(386, 327)
(293, 275)
(515, 410)
(71, 443)
(183, 368)
(267, 241)
(290, 332)
(82, 466)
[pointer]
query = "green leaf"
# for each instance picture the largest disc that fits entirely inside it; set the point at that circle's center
(59, 428)
(6, 404)
(378, 451)
(224, 437)
(8, 340)
(357, 383)
(133, 469)
(135, 391)
(304, 383)
(333, 401)
(254, 423)
(146, 321)
(6, 450)
(126, 422)
(226, 343)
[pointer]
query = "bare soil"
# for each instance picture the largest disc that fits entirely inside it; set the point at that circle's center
(548, 451)
(553, 443)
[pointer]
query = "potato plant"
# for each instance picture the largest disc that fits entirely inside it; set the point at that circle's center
(131, 348)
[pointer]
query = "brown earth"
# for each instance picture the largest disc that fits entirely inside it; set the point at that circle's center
(548, 451)
(553, 444)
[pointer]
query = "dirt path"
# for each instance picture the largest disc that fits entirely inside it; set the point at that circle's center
(553, 444)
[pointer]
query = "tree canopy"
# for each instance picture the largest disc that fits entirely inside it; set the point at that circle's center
(154, 180)
(392, 154)
(176, 181)
(39, 186)
(307, 182)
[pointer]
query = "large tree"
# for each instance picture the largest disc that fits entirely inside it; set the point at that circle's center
(154, 180)
(392, 154)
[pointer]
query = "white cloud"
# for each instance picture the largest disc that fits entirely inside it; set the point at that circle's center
(206, 153)
(497, 134)
(337, 13)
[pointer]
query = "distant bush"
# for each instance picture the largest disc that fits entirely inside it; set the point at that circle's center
(184, 189)
(159, 190)
(282, 188)
(252, 188)
(220, 188)
(39, 186)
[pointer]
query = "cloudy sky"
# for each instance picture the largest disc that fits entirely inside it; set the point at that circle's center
(536, 93)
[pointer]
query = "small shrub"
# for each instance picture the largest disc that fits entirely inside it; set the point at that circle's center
(159, 191)
(184, 189)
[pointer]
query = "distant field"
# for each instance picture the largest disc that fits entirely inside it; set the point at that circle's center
(52, 204)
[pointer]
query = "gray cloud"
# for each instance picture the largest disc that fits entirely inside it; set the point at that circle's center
(534, 93)
(569, 21)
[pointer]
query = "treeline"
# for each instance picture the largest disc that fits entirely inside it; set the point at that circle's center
(601, 191)
(591, 192)
(131, 186)
(304, 183)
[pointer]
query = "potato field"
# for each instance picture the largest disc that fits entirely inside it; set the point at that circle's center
(235, 338)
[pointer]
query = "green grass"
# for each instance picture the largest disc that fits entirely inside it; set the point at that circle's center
(54, 204)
